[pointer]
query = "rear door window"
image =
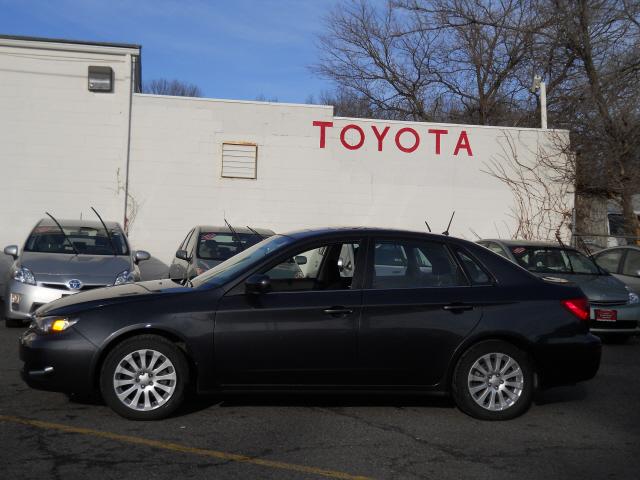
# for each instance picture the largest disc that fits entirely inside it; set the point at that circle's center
(414, 264)
(475, 272)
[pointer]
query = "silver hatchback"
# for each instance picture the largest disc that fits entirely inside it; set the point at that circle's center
(65, 257)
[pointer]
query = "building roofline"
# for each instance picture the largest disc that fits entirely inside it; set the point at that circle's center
(63, 41)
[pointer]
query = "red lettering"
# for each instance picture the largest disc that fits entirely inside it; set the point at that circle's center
(343, 133)
(437, 133)
(380, 135)
(415, 135)
(463, 142)
(323, 126)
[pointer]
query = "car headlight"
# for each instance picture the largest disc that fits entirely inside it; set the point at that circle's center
(633, 298)
(52, 324)
(24, 275)
(124, 277)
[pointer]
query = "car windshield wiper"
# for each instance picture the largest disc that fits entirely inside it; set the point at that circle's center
(234, 235)
(66, 237)
(113, 245)
(256, 232)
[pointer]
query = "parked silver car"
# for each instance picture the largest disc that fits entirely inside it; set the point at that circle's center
(623, 263)
(614, 308)
(64, 257)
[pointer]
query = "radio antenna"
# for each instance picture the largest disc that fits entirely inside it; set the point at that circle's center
(446, 232)
(428, 227)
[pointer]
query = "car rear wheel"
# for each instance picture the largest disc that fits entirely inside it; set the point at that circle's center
(493, 380)
(144, 378)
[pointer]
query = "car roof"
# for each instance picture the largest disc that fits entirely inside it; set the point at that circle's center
(225, 229)
(525, 243)
(330, 231)
(619, 247)
(47, 222)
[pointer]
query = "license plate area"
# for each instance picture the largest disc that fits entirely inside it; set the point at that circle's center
(606, 315)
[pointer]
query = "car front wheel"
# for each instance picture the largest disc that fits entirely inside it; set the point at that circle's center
(144, 378)
(493, 380)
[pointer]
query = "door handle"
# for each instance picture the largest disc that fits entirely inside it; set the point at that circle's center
(338, 311)
(457, 307)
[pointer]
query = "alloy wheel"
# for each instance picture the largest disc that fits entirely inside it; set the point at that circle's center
(495, 381)
(144, 380)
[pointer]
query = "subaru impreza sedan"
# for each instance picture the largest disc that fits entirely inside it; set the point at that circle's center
(375, 310)
(60, 259)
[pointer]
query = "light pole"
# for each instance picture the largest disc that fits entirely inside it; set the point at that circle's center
(536, 85)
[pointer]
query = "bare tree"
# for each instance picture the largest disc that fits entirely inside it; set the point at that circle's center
(177, 88)
(542, 195)
(471, 61)
(604, 37)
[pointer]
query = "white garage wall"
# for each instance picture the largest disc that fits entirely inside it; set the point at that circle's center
(64, 149)
(61, 146)
(176, 183)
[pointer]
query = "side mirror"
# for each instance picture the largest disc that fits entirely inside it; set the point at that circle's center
(257, 284)
(12, 251)
(182, 255)
(300, 259)
(141, 256)
(637, 272)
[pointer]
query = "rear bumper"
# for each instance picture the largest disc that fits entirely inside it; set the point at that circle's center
(616, 331)
(58, 362)
(568, 361)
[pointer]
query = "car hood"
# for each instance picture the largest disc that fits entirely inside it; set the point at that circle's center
(597, 288)
(75, 265)
(109, 295)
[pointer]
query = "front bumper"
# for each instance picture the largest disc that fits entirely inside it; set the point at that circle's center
(565, 361)
(32, 297)
(59, 362)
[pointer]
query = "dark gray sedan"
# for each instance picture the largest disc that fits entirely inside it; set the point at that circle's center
(615, 310)
(206, 246)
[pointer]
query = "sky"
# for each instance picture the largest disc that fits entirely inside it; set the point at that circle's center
(235, 49)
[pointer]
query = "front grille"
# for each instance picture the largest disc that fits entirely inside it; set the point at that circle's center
(605, 304)
(62, 286)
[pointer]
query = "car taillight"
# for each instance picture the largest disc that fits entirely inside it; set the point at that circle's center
(578, 306)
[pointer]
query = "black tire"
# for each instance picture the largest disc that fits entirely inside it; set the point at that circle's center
(164, 347)
(13, 323)
(460, 381)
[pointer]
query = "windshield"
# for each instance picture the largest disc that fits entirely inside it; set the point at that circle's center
(228, 269)
(554, 260)
(86, 240)
(223, 245)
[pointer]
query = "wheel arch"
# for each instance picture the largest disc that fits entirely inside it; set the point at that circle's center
(516, 340)
(120, 337)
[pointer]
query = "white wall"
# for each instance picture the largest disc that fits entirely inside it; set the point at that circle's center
(176, 162)
(64, 149)
(60, 145)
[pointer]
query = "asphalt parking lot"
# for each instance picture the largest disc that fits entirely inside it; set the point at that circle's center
(591, 430)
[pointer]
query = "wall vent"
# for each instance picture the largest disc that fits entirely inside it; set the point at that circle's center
(239, 160)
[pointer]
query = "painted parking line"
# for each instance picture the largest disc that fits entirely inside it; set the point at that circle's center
(176, 447)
